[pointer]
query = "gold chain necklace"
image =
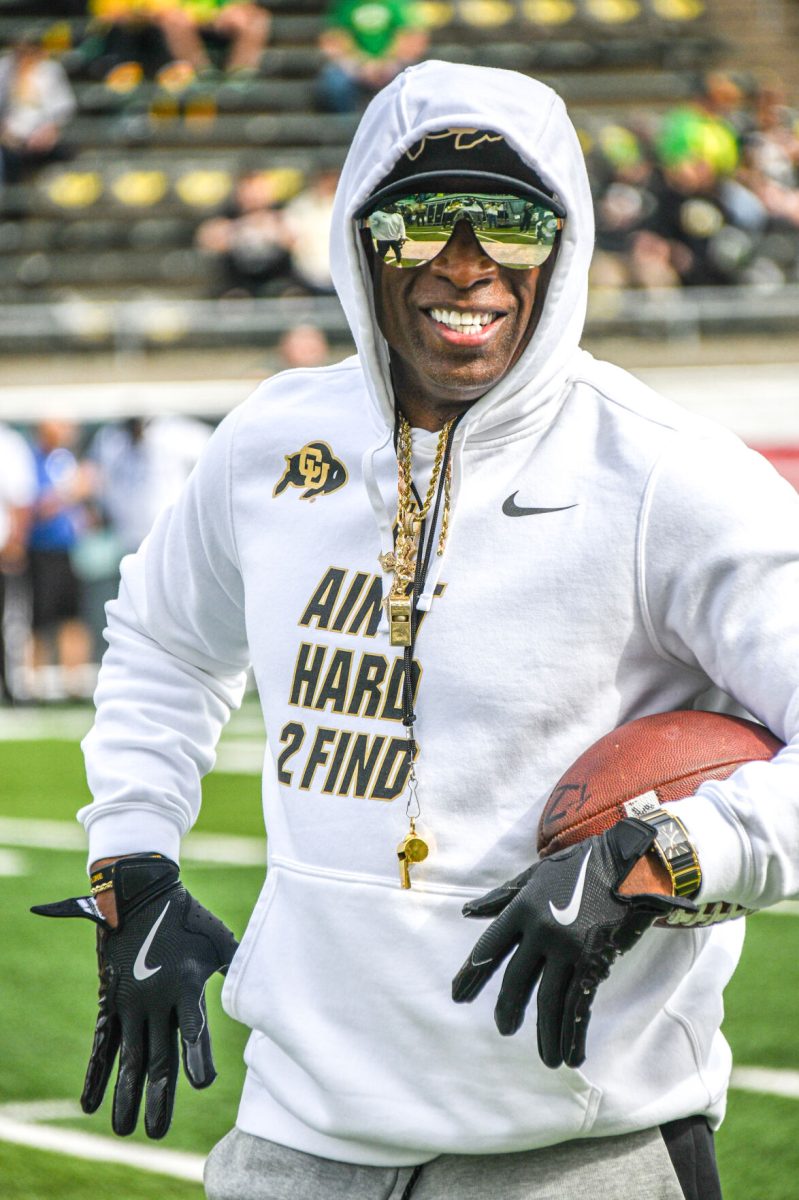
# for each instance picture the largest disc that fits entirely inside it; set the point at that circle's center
(410, 518)
(402, 561)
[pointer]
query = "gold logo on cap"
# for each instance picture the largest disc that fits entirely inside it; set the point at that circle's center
(465, 139)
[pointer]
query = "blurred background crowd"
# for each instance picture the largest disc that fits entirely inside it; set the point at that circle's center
(70, 508)
(74, 500)
(167, 173)
(704, 192)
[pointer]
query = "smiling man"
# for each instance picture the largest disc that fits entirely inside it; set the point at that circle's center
(453, 562)
(459, 315)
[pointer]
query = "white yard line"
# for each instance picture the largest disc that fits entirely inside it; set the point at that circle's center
(787, 908)
(766, 1080)
(240, 756)
(12, 863)
(41, 835)
(175, 1163)
(222, 848)
(240, 751)
(70, 721)
(42, 1110)
(42, 724)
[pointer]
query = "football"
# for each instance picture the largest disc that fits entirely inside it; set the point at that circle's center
(651, 761)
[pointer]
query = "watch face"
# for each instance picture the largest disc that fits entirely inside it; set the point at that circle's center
(676, 852)
(672, 841)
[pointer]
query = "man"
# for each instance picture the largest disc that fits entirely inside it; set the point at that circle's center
(307, 218)
(364, 44)
(65, 486)
(17, 494)
(388, 230)
(142, 464)
(36, 105)
(560, 550)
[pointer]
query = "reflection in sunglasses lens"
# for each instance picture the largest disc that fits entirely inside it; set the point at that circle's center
(411, 230)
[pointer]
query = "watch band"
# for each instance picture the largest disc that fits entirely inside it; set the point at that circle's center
(672, 845)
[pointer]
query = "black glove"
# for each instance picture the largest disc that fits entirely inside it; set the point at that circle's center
(567, 923)
(153, 970)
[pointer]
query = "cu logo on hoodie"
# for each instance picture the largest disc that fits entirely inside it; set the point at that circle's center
(314, 468)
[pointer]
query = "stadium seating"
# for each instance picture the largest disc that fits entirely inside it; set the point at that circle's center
(150, 161)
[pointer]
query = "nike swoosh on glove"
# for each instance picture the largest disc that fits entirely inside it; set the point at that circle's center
(153, 970)
(566, 923)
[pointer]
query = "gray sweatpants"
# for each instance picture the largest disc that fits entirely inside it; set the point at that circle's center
(634, 1167)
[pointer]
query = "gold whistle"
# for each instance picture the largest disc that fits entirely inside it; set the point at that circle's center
(412, 849)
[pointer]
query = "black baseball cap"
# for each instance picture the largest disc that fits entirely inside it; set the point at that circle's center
(479, 160)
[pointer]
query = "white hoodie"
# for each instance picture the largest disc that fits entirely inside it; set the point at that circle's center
(672, 564)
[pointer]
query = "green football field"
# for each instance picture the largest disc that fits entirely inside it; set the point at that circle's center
(48, 1149)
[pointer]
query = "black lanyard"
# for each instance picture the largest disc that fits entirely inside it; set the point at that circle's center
(423, 555)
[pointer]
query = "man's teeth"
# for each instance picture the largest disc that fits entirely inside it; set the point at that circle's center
(466, 322)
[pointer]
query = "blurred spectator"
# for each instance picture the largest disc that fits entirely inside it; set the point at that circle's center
(689, 214)
(17, 494)
(308, 218)
(303, 346)
(250, 243)
(703, 129)
(141, 466)
(627, 254)
(157, 35)
(707, 196)
(364, 45)
(698, 152)
(195, 29)
(124, 42)
(64, 486)
(718, 95)
(771, 155)
(36, 103)
(772, 142)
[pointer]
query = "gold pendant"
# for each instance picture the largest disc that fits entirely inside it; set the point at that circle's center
(399, 620)
(388, 561)
(412, 849)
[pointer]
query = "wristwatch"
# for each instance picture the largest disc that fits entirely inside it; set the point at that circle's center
(672, 845)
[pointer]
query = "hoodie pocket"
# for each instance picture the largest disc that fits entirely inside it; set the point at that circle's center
(349, 983)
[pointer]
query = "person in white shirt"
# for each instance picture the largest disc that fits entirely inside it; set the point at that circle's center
(307, 219)
(36, 105)
(388, 230)
(17, 494)
(142, 465)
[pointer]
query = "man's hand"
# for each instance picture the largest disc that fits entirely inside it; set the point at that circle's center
(567, 921)
(153, 966)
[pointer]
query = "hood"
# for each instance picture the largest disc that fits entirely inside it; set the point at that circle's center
(438, 95)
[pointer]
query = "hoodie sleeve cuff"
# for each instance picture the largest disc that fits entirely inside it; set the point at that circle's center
(720, 848)
(130, 831)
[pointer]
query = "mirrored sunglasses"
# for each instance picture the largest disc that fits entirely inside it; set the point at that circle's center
(410, 229)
